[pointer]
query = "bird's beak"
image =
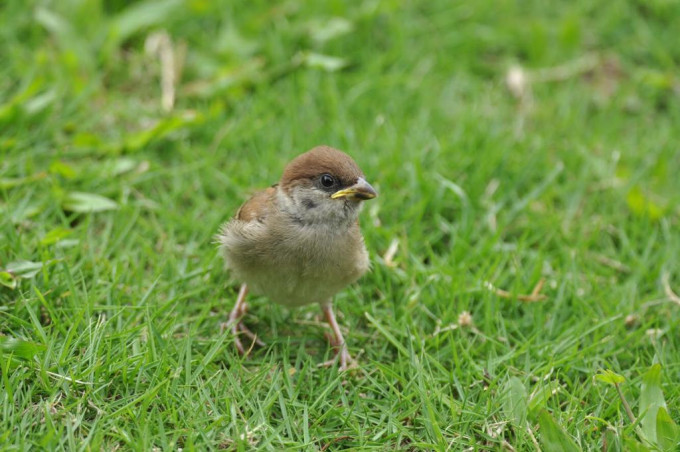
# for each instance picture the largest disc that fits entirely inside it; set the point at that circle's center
(360, 191)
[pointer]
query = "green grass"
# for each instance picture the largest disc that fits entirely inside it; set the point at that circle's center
(111, 339)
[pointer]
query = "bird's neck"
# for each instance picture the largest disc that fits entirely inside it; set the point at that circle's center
(303, 210)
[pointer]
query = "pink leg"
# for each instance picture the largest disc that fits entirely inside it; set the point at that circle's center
(234, 322)
(337, 340)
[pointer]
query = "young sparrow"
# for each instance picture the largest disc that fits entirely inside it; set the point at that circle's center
(298, 242)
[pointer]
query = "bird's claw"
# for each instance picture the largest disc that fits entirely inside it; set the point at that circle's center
(233, 329)
(252, 336)
(238, 327)
(342, 358)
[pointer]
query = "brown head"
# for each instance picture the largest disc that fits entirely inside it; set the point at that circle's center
(331, 170)
(325, 183)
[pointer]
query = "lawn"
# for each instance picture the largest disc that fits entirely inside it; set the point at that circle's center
(525, 245)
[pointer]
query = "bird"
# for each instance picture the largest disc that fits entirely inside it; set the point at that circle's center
(299, 242)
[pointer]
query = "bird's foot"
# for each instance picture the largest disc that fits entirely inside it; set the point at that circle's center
(235, 324)
(337, 341)
(346, 362)
(233, 328)
(342, 357)
(252, 336)
(238, 327)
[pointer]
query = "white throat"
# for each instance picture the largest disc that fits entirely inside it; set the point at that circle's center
(311, 206)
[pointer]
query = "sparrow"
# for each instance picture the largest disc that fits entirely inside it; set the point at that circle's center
(298, 242)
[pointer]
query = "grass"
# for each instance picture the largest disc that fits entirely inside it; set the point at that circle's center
(112, 291)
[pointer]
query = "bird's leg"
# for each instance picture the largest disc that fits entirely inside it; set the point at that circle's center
(234, 323)
(337, 340)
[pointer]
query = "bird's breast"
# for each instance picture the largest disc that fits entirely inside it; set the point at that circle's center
(300, 265)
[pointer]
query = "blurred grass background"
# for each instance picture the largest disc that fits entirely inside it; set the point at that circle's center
(513, 144)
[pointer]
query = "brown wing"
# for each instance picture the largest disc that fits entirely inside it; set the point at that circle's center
(258, 206)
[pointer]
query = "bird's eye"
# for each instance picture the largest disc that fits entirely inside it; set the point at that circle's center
(327, 180)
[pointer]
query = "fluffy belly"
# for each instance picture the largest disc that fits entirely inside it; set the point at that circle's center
(298, 285)
(310, 269)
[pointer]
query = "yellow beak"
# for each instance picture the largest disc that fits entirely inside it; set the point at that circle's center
(360, 191)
